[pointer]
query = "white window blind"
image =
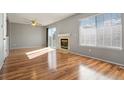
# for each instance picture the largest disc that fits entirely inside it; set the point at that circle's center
(104, 30)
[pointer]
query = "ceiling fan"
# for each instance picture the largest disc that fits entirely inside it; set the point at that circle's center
(32, 22)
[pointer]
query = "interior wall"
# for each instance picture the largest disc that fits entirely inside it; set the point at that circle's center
(71, 25)
(26, 36)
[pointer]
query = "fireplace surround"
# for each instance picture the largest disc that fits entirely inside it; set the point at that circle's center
(64, 42)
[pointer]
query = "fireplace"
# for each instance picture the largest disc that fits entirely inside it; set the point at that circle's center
(64, 43)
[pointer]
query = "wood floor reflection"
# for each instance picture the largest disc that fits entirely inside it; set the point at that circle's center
(50, 64)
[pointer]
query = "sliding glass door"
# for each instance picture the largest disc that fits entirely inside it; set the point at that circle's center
(51, 37)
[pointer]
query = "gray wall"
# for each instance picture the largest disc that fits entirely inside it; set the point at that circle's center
(71, 25)
(26, 36)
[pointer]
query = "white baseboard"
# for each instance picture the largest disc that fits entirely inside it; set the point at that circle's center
(112, 62)
(28, 47)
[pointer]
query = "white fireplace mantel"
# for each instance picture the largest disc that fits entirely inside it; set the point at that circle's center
(66, 34)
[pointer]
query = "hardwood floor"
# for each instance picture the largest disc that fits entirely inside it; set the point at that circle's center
(49, 64)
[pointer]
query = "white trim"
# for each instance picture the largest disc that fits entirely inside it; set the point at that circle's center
(112, 62)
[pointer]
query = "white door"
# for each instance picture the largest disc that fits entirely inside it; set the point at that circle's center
(5, 36)
(1, 41)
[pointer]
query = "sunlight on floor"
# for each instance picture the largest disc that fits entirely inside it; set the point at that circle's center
(86, 73)
(39, 52)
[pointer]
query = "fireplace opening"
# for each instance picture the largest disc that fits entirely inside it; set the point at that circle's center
(64, 43)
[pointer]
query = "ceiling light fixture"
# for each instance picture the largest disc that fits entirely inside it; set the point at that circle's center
(34, 23)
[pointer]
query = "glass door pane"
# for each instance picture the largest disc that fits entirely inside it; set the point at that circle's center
(51, 37)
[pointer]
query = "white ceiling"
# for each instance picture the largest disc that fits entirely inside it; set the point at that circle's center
(42, 18)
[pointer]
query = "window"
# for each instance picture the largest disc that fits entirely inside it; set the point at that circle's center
(104, 30)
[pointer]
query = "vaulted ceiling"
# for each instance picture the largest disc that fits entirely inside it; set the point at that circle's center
(42, 18)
